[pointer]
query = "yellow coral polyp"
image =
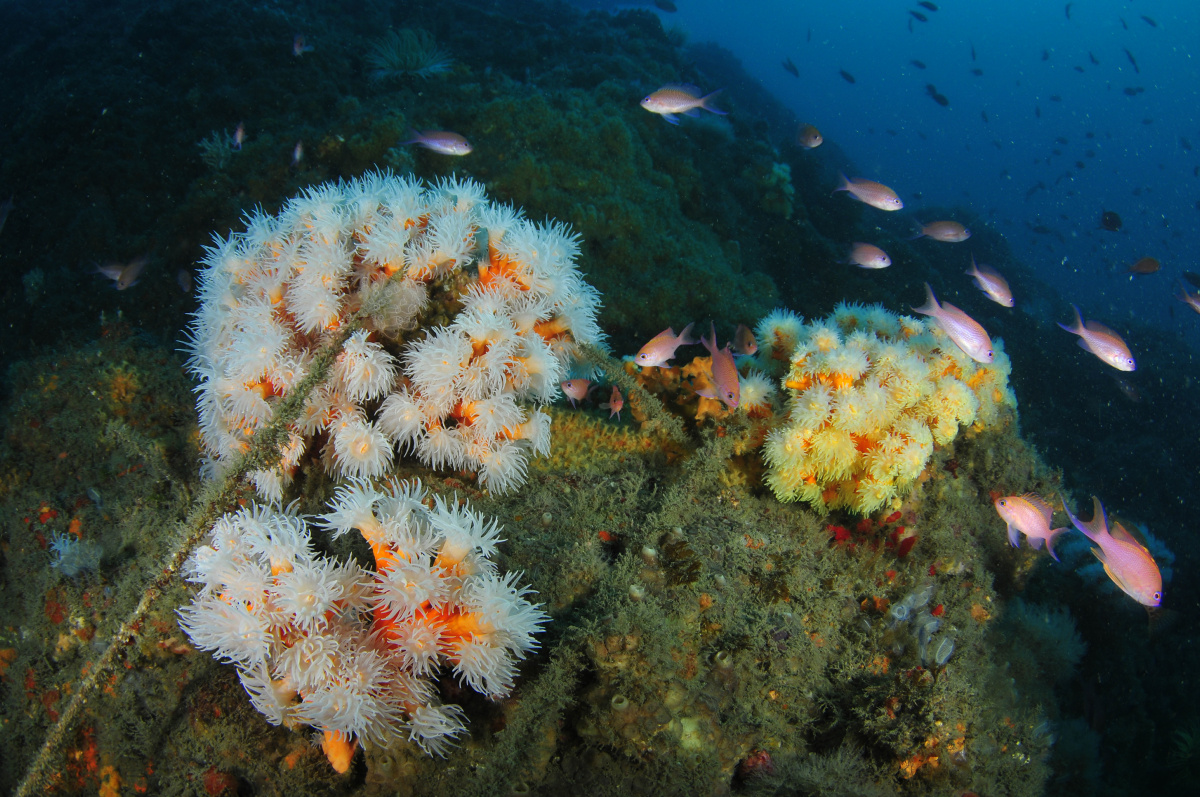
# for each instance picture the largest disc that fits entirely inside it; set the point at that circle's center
(872, 394)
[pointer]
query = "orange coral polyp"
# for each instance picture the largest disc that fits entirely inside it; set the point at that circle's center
(842, 381)
(457, 624)
(498, 266)
(553, 328)
(802, 383)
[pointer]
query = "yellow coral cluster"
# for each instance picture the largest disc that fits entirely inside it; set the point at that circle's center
(871, 394)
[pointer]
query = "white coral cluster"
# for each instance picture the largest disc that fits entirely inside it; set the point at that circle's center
(352, 651)
(457, 396)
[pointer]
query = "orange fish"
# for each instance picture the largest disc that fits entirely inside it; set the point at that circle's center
(1102, 342)
(1029, 515)
(809, 137)
(991, 282)
(950, 232)
(869, 256)
(726, 386)
(1127, 562)
(662, 346)
(124, 275)
(614, 404)
(1146, 265)
(679, 98)
(576, 389)
(744, 344)
(967, 333)
(1192, 300)
(869, 192)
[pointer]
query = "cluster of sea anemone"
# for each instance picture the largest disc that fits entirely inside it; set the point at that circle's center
(461, 396)
(871, 394)
(352, 652)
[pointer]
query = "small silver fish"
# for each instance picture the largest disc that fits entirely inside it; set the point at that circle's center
(869, 256)
(124, 275)
(440, 141)
(1102, 342)
(869, 192)
(991, 282)
(967, 333)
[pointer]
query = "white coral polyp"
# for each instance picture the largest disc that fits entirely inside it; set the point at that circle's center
(349, 651)
(274, 295)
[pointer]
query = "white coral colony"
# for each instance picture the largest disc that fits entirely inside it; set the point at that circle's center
(464, 395)
(350, 651)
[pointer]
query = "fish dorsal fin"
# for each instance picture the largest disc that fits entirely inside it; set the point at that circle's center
(1097, 327)
(686, 88)
(1122, 534)
(1040, 505)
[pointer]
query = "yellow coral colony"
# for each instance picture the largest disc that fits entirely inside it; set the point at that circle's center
(870, 395)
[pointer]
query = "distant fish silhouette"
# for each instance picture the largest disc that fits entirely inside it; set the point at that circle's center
(1068, 10)
(1133, 91)
(918, 64)
(1094, 61)
(972, 51)
(846, 76)
(1037, 111)
(1124, 24)
(1045, 55)
(665, 5)
(917, 15)
(1110, 221)
(1149, 21)
(940, 99)
(984, 115)
(1132, 60)
(1079, 69)
(1187, 145)
(928, 6)
(790, 67)
(977, 72)
(809, 35)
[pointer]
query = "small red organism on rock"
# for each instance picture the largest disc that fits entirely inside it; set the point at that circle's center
(757, 764)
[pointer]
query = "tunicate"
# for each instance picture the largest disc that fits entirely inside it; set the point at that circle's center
(723, 659)
(636, 592)
(921, 597)
(900, 613)
(943, 651)
(927, 626)
(619, 702)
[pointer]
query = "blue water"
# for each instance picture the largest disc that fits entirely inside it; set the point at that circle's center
(949, 155)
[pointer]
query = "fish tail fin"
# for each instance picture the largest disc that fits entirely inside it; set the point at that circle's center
(1096, 528)
(414, 137)
(686, 338)
(974, 270)
(708, 98)
(1051, 538)
(711, 345)
(843, 184)
(1078, 328)
(931, 306)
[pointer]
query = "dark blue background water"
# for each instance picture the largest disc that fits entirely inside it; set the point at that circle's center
(1138, 165)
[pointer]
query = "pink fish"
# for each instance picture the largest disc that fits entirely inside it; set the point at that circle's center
(124, 275)
(614, 403)
(990, 282)
(662, 347)
(726, 386)
(1192, 300)
(1127, 562)
(441, 141)
(877, 195)
(679, 98)
(299, 46)
(576, 389)
(239, 136)
(868, 256)
(1029, 515)
(1102, 342)
(965, 331)
(744, 344)
(950, 232)
(297, 153)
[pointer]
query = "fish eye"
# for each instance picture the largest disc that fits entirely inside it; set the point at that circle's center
(1003, 502)
(1157, 596)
